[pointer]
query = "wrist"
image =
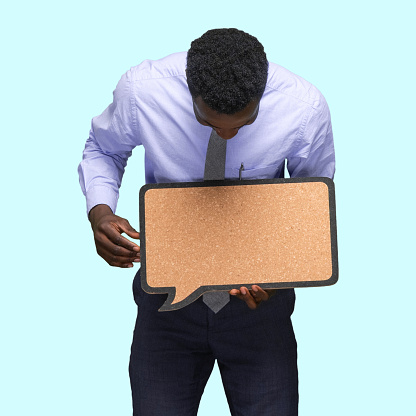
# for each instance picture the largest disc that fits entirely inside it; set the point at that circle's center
(97, 212)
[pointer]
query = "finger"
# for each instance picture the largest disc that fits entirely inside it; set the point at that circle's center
(129, 230)
(116, 249)
(106, 248)
(259, 293)
(117, 260)
(248, 298)
(236, 293)
(116, 255)
(117, 239)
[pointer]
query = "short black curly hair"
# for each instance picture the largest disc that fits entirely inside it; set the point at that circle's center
(227, 68)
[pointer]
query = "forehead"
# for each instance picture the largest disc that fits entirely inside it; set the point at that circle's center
(225, 120)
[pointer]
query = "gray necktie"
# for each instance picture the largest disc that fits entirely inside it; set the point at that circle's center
(215, 170)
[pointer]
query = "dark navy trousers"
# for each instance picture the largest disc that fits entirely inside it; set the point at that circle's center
(173, 353)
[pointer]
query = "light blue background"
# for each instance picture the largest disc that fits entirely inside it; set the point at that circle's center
(67, 317)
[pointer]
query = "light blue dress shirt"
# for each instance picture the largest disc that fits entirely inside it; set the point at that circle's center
(152, 106)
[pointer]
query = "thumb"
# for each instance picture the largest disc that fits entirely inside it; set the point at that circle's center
(129, 230)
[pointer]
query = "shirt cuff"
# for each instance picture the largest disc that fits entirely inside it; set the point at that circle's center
(101, 195)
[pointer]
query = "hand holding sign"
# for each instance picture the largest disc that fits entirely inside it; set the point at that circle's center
(115, 249)
(253, 297)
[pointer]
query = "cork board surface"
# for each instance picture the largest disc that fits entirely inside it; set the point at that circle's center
(219, 235)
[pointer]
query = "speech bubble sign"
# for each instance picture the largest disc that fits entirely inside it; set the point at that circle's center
(197, 237)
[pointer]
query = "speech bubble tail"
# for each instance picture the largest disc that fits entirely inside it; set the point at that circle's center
(181, 295)
(178, 299)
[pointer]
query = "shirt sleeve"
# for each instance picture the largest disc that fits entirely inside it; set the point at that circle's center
(112, 137)
(316, 157)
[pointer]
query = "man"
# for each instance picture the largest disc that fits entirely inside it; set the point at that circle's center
(170, 106)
